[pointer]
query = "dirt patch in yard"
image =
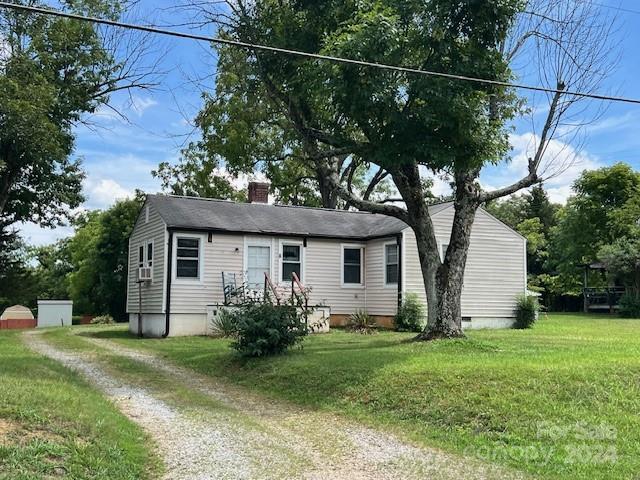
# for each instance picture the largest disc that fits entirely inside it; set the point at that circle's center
(12, 431)
(7, 427)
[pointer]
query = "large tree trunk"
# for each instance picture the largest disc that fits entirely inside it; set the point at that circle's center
(446, 321)
(442, 280)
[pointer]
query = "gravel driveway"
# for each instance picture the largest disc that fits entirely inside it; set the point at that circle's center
(240, 435)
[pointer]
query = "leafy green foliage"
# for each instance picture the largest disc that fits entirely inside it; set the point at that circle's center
(99, 254)
(224, 324)
(622, 261)
(90, 267)
(361, 322)
(103, 320)
(598, 214)
(527, 309)
(17, 283)
(278, 113)
(264, 329)
(411, 314)
(629, 306)
(52, 71)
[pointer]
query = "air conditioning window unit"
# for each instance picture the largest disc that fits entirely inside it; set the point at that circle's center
(144, 274)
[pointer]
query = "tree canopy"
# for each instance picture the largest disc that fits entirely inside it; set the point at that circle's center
(52, 71)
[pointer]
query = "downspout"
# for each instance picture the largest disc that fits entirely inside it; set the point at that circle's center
(399, 243)
(167, 319)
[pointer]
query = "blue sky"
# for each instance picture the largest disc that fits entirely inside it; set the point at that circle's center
(119, 156)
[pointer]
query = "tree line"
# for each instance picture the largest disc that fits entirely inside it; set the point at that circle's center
(90, 267)
(600, 222)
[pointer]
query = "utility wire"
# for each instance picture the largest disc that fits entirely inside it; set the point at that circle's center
(619, 9)
(316, 56)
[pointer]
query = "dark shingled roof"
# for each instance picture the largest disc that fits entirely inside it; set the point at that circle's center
(223, 215)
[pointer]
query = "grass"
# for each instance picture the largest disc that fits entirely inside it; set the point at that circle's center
(54, 425)
(559, 400)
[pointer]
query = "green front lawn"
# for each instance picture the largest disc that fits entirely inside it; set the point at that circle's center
(54, 425)
(561, 400)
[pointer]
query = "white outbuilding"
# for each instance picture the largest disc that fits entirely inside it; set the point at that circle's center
(54, 313)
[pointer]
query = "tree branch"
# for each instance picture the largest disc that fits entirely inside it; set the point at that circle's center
(534, 163)
(368, 206)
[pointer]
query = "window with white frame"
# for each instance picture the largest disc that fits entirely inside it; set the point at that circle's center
(258, 263)
(443, 250)
(141, 256)
(150, 254)
(352, 265)
(391, 263)
(188, 257)
(291, 261)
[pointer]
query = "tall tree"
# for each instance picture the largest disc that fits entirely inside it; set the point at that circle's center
(243, 132)
(602, 210)
(52, 72)
(98, 254)
(407, 124)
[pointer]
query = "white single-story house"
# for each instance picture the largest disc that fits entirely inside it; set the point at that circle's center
(350, 260)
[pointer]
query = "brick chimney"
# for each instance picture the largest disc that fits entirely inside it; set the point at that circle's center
(258, 192)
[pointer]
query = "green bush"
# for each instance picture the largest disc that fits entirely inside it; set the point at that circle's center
(224, 324)
(75, 319)
(629, 306)
(411, 314)
(103, 320)
(361, 322)
(266, 329)
(527, 309)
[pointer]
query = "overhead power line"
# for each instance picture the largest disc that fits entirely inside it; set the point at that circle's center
(316, 56)
(618, 9)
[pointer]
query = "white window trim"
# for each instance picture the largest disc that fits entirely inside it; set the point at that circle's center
(142, 263)
(153, 256)
(384, 264)
(441, 248)
(360, 285)
(174, 259)
(257, 242)
(146, 214)
(297, 243)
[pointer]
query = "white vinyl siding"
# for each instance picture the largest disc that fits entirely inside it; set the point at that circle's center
(145, 234)
(495, 270)
(223, 254)
(324, 275)
(381, 298)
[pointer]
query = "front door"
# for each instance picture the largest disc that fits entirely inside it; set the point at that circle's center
(258, 262)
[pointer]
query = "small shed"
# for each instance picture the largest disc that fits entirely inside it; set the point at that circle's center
(17, 316)
(54, 313)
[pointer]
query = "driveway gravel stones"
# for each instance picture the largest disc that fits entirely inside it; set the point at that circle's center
(252, 437)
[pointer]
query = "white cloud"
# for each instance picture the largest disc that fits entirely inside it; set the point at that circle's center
(241, 181)
(104, 192)
(139, 105)
(441, 185)
(108, 117)
(561, 165)
(35, 235)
